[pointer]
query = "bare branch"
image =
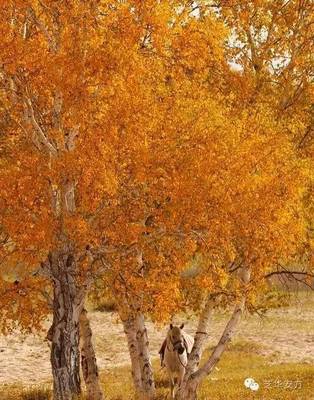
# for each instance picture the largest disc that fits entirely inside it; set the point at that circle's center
(292, 275)
(286, 272)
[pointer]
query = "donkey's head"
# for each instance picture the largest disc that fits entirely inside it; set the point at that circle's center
(175, 336)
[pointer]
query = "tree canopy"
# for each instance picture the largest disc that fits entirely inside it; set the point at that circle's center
(151, 134)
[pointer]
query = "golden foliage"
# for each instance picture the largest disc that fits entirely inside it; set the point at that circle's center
(126, 130)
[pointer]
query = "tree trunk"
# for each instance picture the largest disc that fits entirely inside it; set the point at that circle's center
(148, 384)
(201, 335)
(88, 360)
(189, 390)
(200, 338)
(67, 306)
(130, 331)
(194, 378)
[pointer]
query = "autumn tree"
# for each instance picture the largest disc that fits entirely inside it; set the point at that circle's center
(235, 213)
(271, 46)
(244, 215)
(82, 89)
(133, 147)
(53, 157)
(151, 224)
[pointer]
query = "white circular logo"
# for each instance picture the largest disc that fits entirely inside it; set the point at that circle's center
(254, 386)
(251, 384)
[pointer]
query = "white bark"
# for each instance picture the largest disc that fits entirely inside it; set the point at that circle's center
(193, 377)
(148, 384)
(130, 331)
(189, 389)
(225, 338)
(200, 338)
(88, 360)
(31, 119)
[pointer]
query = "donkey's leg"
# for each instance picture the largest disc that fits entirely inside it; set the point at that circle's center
(171, 379)
(181, 376)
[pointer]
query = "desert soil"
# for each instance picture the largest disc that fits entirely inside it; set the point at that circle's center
(284, 335)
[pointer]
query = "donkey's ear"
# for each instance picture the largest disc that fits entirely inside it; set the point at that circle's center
(171, 326)
(182, 326)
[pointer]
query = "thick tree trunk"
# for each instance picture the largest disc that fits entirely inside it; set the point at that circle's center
(148, 384)
(88, 360)
(130, 331)
(67, 306)
(142, 371)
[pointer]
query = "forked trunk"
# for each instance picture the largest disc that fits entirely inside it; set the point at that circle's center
(189, 387)
(188, 390)
(67, 306)
(88, 360)
(130, 332)
(194, 378)
(148, 385)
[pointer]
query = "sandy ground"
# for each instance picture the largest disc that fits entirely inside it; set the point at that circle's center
(284, 335)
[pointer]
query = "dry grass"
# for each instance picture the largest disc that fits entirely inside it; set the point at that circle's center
(17, 392)
(226, 382)
(286, 335)
(107, 305)
(279, 348)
